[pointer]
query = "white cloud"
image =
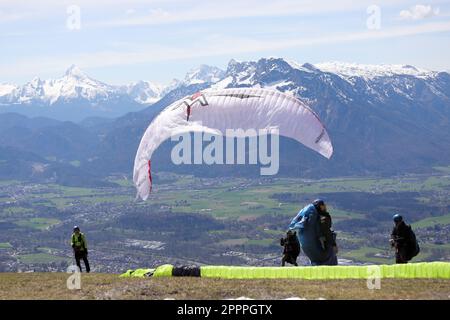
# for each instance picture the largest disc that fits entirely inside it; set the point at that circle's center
(158, 14)
(419, 12)
(81, 3)
(212, 46)
(200, 10)
(155, 12)
(12, 16)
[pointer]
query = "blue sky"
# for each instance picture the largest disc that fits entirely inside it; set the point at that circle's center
(119, 41)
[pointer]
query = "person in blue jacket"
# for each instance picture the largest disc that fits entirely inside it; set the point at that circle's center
(314, 230)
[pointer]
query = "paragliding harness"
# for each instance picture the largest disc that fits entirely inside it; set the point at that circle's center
(291, 248)
(412, 247)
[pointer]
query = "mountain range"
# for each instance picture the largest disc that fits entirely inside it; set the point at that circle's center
(76, 96)
(382, 119)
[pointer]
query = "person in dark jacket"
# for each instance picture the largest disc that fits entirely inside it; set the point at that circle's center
(291, 248)
(328, 237)
(403, 240)
(79, 246)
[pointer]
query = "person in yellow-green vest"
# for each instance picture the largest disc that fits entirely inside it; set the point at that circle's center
(79, 245)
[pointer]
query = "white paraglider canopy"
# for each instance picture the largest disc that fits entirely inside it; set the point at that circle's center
(216, 111)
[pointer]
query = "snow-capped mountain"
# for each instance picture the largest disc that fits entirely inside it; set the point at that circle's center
(377, 80)
(204, 74)
(397, 117)
(76, 95)
(144, 92)
(370, 71)
(382, 119)
(74, 85)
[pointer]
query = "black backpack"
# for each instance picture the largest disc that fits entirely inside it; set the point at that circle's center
(413, 245)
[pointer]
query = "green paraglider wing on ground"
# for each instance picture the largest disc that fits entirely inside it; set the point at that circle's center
(424, 270)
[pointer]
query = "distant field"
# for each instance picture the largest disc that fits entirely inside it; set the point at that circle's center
(234, 198)
(443, 169)
(262, 242)
(368, 254)
(123, 182)
(5, 245)
(75, 163)
(433, 221)
(41, 258)
(223, 201)
(8, 182)
(363, 227)
(109, 286)
(38, 223)
(386, 255)
(16, 211)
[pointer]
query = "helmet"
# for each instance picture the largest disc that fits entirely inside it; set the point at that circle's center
(318, 202)
(397, 217)
(76, 228)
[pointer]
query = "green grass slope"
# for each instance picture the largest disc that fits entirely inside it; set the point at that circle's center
(110, 286)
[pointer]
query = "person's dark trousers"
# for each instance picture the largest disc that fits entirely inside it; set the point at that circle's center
(82, 255)
(400, 257)
(330, 261)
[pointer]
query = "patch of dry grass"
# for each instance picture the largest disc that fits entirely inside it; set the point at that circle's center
(108, 286)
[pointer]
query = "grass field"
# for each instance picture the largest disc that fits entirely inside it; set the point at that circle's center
(37, 223)
(5, 245)
(385, 256)
(108, 286)
(432, 221)
(235, 198)
(41, 258)
(75, 163)
(8, 182)
(443, 169)
(228, 200)
(16, 211)
(368, 254)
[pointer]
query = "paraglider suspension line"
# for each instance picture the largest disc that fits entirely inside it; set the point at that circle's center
(150, 174)
(188, 111)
